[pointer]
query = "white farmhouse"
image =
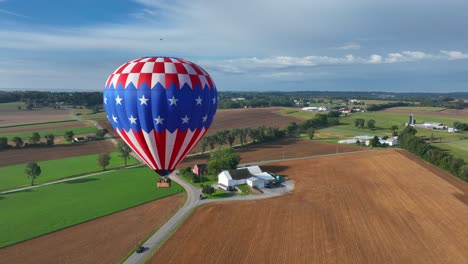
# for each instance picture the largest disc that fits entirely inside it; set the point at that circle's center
(252, 175)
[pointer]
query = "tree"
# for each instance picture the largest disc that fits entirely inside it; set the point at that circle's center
(224, 158)
(18, 141)
(3, 142)
(50, 139)
(203, 145)
(374, 142)
(101, 133)
(69, 136)
(208, 190)
(292, 128)
(125, 151)
(394, 129)
(221, 137)
(32, 171)
(231, 136)
(359, 123)
(34, 138)
(371, 124)
(311, 133)
(96, 109)
(242, 136)
(104, 160)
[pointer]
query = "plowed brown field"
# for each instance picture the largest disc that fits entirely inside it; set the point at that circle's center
(372, 207)
(281, 149)
(104, 240)
(19, 117)
(51, 127)
(17, 156)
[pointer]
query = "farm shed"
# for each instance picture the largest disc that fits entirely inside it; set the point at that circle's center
(256, 182)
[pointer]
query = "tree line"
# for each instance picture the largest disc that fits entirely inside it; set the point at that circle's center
(378, 107)
(416, 145)
(35, 139)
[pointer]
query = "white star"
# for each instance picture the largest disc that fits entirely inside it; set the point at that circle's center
(205, 118)
(214, 100)
(159, 120)
(143, 100)
(199, 100)
(173, 100)
(185, 119)
(105, 100)
(118, 100)
(132, 119)
(115, 118)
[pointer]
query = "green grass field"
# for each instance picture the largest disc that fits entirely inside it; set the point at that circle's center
(28, 214)
(244, 188)
(13, 177)
(87, 114)
(296, 112)
(11, 106)
(458, 148)
(417, 108)
(38, 125)
(385, 120)
(57, 132)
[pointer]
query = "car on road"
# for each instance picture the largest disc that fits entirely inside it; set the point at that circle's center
(140, 249)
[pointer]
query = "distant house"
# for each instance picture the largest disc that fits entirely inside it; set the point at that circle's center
(200, 169)
(79, 139)
(252, 175)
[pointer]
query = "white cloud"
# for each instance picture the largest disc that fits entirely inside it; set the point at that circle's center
(350, 46)
(272, 64)
(454, 55)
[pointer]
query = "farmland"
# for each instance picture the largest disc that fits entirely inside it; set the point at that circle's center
(39, 211)
(22, 117)
(115, 234)
(457, 148)
(374, 207)
(23, 155)
(281, 149)
(14, 177)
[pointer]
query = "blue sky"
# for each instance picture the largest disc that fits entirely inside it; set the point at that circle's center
(366, 45)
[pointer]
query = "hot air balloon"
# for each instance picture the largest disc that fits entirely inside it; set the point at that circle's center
(161, 107)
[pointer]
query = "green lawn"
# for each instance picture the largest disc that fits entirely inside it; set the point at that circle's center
(244, 188)
(297, 112)
(219, 194)
(12, 106)
(206, 180)
(28, 214)
(12, 177)
(57, 132)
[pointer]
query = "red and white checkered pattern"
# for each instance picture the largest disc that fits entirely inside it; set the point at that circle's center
(166, 71)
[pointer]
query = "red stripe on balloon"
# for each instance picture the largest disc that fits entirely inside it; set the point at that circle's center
(180, 137)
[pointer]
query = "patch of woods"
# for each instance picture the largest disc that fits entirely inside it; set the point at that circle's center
(35, 140)
(378, 107)
(34, 99)
(418, 146)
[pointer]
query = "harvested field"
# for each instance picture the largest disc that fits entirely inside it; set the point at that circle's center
(18, 117)
(372, 207)
(13, 130)
(277, 150)
(249, 117)
(238, 118)
(105, 240)
(18, 156)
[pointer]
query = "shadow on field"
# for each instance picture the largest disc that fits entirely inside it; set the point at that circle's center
(82, 180)
(274, 168)
(1, 197)
(462, 197)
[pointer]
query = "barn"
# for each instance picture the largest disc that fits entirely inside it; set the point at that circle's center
(199, 169)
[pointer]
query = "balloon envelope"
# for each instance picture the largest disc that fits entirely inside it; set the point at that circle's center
(161, 107)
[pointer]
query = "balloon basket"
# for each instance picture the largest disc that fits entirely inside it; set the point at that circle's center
(164, 183)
